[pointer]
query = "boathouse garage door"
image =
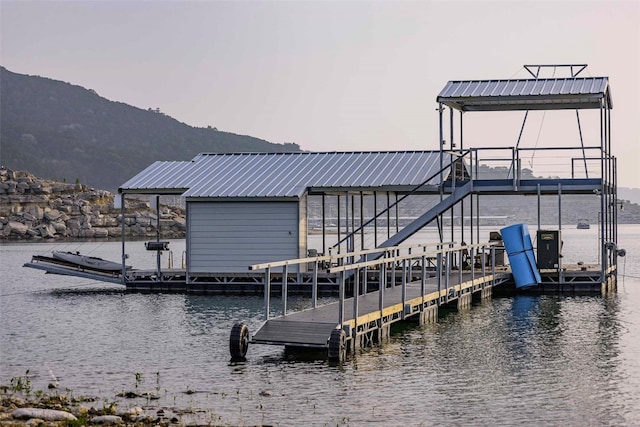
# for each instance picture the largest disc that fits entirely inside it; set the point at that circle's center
(226, 237)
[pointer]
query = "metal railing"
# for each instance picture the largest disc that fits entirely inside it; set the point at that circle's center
(548, 162)
(442, 256)
(456, 158)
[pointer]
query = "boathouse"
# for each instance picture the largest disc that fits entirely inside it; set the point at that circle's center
(250, 208)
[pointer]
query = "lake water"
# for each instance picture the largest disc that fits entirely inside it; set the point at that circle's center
(544, 360)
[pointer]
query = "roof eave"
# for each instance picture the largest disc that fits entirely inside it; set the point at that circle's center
(563, 102)
(160, 191)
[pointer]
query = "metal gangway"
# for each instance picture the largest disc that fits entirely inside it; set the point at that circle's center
(406, 282)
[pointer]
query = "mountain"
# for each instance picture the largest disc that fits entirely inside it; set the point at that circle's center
(60, 131)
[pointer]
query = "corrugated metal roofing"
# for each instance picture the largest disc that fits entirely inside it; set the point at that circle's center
(240, 175)
(526, 94)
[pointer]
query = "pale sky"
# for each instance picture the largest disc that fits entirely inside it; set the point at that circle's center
(330, 75)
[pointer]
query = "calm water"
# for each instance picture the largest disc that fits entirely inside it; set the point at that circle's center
(509, 361)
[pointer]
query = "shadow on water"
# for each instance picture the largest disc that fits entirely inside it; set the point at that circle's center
(90, 292)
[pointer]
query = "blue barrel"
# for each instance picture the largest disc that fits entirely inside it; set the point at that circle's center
(517, 243)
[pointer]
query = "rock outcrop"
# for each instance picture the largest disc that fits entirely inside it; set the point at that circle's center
(32, 209)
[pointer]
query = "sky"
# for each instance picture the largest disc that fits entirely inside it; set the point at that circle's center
(334, 75)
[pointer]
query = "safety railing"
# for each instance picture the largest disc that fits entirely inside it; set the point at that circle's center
(441, 258)
(444, 265)
(549, 162)
(455, 158)
(326, 261)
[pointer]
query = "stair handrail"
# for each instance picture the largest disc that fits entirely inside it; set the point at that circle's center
(456, 157)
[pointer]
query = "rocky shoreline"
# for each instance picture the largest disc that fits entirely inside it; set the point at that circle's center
(34, 209)
(52, 409)
(23, 406)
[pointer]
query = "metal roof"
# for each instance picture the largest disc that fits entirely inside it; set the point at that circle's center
(287, 175)
(527, 94)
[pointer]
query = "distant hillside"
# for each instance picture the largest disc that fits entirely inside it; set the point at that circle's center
(630, 194)
(57, 130)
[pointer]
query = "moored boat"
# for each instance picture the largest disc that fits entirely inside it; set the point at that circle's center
(88, 261)
(583, 225)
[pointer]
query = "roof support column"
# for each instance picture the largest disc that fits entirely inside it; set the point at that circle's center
(388, 216)
(361, 221)
(122, 227)
(324, 226)
(441, 136)
(452, 173)
(461, 201)
(397, 214)
(559, 206)
(346, 222)
(375, 219)
(603, 219)
(338, 219)
(471, 219)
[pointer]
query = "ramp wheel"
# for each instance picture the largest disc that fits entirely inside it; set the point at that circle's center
(337, 345)
(239, 341)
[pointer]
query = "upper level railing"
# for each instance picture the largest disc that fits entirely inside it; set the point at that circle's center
(506, 163)
(540, 163)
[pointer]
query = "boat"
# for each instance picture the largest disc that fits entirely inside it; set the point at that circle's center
(583, 225)
(94, 263)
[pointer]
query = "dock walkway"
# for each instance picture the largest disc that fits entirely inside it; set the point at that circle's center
(313, 327)
(363, 318)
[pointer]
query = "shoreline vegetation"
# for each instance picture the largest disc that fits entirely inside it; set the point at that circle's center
(22, 406)
(35, 209)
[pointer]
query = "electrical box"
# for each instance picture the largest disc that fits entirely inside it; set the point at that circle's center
(495, 237)
(549, 249)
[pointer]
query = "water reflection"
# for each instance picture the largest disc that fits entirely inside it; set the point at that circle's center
(550, 360)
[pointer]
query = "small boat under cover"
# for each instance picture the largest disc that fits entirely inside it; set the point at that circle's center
(88, 261)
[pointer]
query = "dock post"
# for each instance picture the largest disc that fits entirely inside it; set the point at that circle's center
(285, 288)
(439, 271)
(484, 264)
(364, 277)
(446, 273)
(356, 292)
(404, 287)
(423, 278)
(314, 285)
(493, 266)
(267, 292)
(393, 271)
(341, 299)
(473, 261)
(460, 266)
(382, 283)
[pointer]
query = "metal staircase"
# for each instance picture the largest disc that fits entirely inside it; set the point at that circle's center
(417, 224)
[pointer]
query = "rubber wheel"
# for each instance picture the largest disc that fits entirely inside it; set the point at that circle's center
(239, 341)
(337, 345)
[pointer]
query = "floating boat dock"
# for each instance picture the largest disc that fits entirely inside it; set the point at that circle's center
(410, 283)
(250, 217)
